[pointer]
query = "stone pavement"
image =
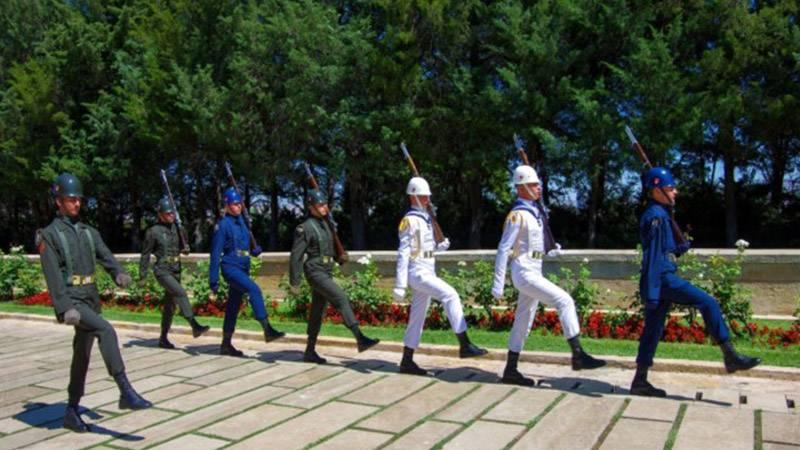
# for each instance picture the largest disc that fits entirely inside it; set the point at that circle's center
(358, 401)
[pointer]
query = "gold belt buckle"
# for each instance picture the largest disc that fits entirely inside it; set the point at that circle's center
(242, 253)
(537, 255)
(326, 260)
(82, 280)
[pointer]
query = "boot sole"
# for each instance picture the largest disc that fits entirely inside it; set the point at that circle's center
(737, 369)
(121, 405)
(472, 355)
(197, 335)
(363, 349)
(588, 368)
(516, 382)
(273, 338)
(424, 373)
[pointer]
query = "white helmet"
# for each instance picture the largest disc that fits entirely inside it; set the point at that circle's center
(418, 186)
(525, 175)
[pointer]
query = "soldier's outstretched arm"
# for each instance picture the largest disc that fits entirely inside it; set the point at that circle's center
(52, 275)
(511, 229)
(147, 249)
(299, 247)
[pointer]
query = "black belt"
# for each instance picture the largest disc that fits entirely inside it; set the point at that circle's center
(171, 259)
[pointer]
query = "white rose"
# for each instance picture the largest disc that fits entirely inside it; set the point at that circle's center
(363, 260)
(585, 260)
(462, 264)
(741, 243)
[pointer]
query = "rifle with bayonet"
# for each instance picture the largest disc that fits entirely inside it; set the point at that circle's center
(245, 214)
(341, 254)
(680, 237)
(184, 241)
(438, 235)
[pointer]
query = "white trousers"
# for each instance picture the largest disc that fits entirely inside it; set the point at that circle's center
(534, 287)
(427, 285)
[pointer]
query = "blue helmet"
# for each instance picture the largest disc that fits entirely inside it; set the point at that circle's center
(657, 177)
(231, 195)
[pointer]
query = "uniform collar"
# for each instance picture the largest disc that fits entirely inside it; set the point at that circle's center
(73, 223)
(651, 203)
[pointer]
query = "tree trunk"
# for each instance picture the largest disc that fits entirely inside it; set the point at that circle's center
(356, 203)
(779, 161)
(274, 215)
(475, 198)
(597, 171)
(731, 230)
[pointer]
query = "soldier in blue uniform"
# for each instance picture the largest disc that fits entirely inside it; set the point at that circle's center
(660, 286)
(230, 250)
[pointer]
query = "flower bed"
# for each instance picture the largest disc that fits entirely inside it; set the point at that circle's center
(600, 325)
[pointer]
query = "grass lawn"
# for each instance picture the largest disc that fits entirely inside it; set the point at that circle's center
(787, 357)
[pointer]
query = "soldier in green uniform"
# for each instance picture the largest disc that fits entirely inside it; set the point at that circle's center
(162, 241)
(69, 250)
(313, 239)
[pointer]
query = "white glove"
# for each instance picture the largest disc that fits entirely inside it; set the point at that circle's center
(497, 292)
(443, 246)
(72, 317)
(556, 251)
(398, 294)
(123, 279)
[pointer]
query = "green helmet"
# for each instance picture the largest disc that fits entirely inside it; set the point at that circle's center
(316, 197)
(165, 206)
(66, 185)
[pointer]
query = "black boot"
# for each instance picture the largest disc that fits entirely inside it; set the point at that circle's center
(641, 386)
(580, 359)
(270, 334)
(466, 348)
(197, 329)
(735, 361)
(364, 343)
(73, 421)
(311, 355)
(511, 375)
(407, 364)
(163, 342)
(129, 398)
(227, 348)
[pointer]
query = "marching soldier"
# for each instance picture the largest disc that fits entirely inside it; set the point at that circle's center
(660, 286)
(230, 251)
(416, 268)
(526, 240)
(69, 250)
(162, 241)
(313, 239)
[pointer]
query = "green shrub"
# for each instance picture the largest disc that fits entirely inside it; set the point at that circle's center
(18, 277)
(361, 287)
(583, 291)
(475, 284)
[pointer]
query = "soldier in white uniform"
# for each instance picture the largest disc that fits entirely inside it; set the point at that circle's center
(526, 240)
(416, 267)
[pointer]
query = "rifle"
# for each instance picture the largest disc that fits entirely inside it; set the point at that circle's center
(341, 254)
(184, 241)
(676, 229)
(247, 221)
(438, 235)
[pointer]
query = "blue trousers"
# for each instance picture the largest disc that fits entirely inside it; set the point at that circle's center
(677, 290)
(240, 284)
